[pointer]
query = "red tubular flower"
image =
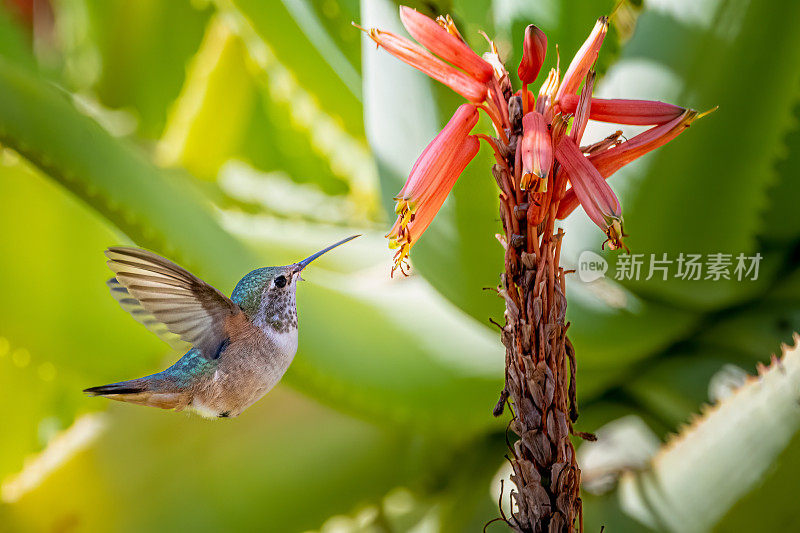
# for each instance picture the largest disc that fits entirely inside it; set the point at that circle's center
(633, 112)
(431, 179)
(534, 49)
(447, 46)
(594, 194)
(537, 152)
(609, 161)
(419, 58)
(583, 60)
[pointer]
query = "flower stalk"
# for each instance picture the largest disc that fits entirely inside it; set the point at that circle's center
(543, 173)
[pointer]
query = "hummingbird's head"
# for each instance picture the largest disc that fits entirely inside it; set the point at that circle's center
(270, 290)
(262, 284)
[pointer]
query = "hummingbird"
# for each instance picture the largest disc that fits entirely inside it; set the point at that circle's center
(241, 346)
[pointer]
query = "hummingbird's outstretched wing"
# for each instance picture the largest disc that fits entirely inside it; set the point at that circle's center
(145, 317)
(185, 304)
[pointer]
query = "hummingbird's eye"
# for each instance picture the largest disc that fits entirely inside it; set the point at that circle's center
(280, 281)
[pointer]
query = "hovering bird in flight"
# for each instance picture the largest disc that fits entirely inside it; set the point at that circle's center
(241, 346)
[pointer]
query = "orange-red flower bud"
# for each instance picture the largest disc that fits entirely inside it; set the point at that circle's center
(534, 49)
(618, 111)
(421, 59)
(583, 60)
(537, 152)
(449, 47)
(594, 194)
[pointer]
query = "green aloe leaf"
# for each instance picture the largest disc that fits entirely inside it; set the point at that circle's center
(781, 218)
(672, 388)
(759, 329)
(239, 103)
(44, 126)
(773, 497)
(133, 55)
(303, 44)
(612, 330)
(335, 19)
(687, 489)
(440, 362)
(675, 383)
(209, 120)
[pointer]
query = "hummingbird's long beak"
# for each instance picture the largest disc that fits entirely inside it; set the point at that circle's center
(304, 263)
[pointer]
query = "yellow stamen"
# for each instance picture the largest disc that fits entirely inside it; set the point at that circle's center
(704, 113)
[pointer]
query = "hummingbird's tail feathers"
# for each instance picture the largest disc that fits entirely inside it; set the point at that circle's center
(138, 391)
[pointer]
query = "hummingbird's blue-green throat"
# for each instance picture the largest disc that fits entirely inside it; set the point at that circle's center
(240, 346)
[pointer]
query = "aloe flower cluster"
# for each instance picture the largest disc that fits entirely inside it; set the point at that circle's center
(544, 170)
(556, 169)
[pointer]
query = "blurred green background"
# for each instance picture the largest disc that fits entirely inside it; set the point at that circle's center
(232, 134)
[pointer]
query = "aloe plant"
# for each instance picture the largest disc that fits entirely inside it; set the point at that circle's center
(669, 494)
(117, 125)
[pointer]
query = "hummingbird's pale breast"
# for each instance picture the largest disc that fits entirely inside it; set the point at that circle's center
(260, 352)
